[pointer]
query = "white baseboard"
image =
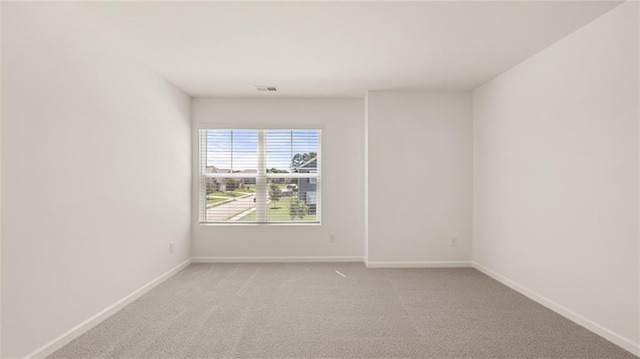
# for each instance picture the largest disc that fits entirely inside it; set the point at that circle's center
(83, 327)
(275, 259)
(623, 342)
(432, 264)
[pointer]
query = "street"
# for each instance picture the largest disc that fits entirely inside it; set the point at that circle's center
(222, 212)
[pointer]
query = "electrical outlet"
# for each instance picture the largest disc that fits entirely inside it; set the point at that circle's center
(454, 242)
(171, 247)
(332, 238)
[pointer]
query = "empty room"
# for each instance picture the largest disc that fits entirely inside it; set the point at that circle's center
(320, 179)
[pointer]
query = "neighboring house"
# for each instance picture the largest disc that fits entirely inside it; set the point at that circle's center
(214, 184)
(214, 169)
(277, 180)
(250, 180)
(307, 187)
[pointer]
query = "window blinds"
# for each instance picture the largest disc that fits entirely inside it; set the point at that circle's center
(259, 176)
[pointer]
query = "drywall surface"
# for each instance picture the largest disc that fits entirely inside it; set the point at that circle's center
(341, 121)
(419, 176)
(638, 103)
(96, 175)
(0, 185)
(556, 173)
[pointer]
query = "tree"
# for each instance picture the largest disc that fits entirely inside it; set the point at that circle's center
(211, 186)
(300, 158)
(297, 209)
(275, 193)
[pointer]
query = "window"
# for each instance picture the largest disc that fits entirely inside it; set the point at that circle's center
(259, 176)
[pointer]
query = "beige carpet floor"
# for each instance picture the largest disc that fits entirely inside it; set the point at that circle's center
(308, 310)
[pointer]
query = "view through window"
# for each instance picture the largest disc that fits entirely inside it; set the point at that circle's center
(259, 176)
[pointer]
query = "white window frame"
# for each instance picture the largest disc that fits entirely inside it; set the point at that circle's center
(261, 176)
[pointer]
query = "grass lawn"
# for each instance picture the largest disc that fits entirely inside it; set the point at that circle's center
(219, 197)
(236, 193)
(283, 186)
(279, 213)
(247, 189)
(212, 200)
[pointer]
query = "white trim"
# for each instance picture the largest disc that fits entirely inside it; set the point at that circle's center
(260, 175)
(615, 338)
(256, 126)
(319, 179)
(202, 165)
(365, 187)
(230, 175)
(96, 319)
(431, 264)
(261, 197)
(293, 175)
(276, 259)
(242, 223)
(267, 175)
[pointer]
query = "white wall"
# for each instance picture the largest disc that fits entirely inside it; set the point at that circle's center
(95, 175)
(419, 177)
(0, 184)
(556, 175)
(342, 124)
(638, 103)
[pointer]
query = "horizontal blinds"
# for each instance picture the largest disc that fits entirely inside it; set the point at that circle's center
(259, 176)
(268, 175)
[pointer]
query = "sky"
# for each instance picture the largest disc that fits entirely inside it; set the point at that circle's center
(238, 149)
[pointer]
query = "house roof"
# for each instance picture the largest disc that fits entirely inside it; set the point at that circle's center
(307, 163)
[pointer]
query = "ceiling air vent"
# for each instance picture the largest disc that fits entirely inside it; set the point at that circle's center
(267, 88)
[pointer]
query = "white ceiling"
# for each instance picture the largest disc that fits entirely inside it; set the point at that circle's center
(334, 48)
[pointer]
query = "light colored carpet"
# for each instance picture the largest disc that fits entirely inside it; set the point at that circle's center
(308, 310)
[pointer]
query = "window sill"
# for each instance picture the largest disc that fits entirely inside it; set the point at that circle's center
(205, 224)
